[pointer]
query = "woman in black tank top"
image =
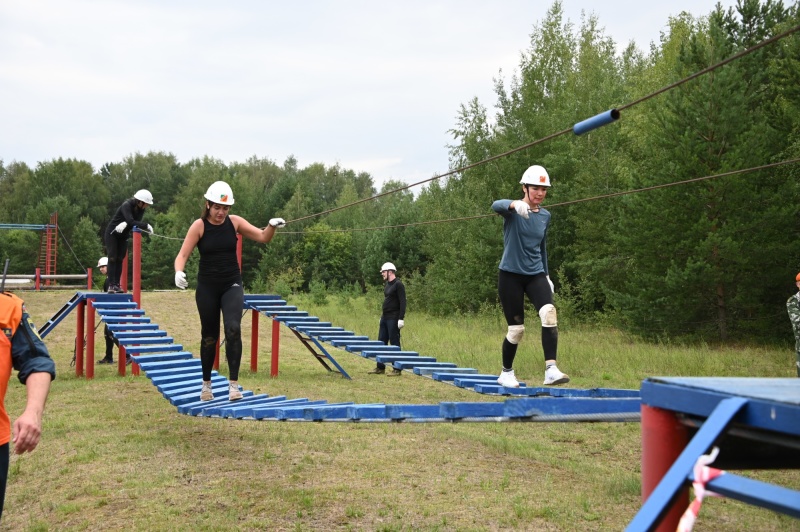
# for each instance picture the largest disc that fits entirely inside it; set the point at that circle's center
(219, 280)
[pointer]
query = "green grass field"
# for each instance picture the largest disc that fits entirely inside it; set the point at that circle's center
(116, 455)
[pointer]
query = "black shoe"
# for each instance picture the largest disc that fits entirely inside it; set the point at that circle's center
(394, 373)
(377, 371)
(106, 361)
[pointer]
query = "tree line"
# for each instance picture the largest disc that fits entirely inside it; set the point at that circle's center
(713, 259)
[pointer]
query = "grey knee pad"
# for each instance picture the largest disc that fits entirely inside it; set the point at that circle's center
(515, 333)
(548, 316)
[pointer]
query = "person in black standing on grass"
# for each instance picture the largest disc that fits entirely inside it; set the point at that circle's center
(128, 216)
(393, 315)
(102, 264)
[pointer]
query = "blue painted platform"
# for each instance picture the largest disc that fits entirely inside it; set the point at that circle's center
(763, 411)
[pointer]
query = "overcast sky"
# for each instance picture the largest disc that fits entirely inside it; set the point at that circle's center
(373, 86)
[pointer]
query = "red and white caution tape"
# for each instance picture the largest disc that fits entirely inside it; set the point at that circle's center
(702, 475)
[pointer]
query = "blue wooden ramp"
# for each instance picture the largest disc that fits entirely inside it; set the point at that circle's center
(312, 331)
(177, 375)
(276, 309)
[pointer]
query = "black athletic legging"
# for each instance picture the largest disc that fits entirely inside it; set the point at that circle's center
(116, 248)
(4, 452)
(211, 299)
(512, 289)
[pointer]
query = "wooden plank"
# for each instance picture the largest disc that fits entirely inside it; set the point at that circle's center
(400, 412)
(262, 411)
(171, 364)
(240, 411)
(162, 348)
(462, 410)
(448, 376)
(560, 406)
(417, 364)
(163, 357)
(757, 493)
(430, 371)
(221, 409)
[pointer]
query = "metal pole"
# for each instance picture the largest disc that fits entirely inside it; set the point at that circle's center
(90, 329)
(276, 342)
(663, 440)
(137, 268)
(5, 272)
(79, 339)
(254, 342)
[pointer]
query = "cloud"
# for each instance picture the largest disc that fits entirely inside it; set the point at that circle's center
(374, 85)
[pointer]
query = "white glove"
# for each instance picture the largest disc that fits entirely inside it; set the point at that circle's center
(552, 287)
(180, 280)
(121, 227)
(400, 324)
(522, 208)
(277, 222)
(150, 229)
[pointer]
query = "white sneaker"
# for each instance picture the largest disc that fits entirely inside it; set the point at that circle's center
(552, 376)
(233, 391)
(205, 392)
(508, 380)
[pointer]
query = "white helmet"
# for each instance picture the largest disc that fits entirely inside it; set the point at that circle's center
(220, 192)
(535, 175)
(388, 266)
(144, 195)
(102, 262)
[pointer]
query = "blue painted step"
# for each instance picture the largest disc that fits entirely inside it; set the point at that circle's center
(446, 376)
(307, 321)
(466, 410)
(340, 340)
(431, 365)
(237, 411)
(372, 352)
(140, 334)
(163, 357)
(133, 319)
(114, 327)
(221, 409)
(391, 359)
(120, 312)
(172, 388)
(271, 310)
(375, 345)
(307, 412)
(430, 371)
(247, 411)
(316, 328)
(163, 348)
(170, 364)
(400, 412)
(164, 376)
(145, 340)
(275, 411)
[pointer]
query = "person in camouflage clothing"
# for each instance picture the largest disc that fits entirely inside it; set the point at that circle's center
(793, 306)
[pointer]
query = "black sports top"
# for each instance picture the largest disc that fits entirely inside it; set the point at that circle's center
(218, 263)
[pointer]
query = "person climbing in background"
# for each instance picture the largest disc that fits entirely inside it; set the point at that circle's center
(102, 264)
(524, 272)
(393, 314)
(793, 306)
(128, 216)
(219, 280)
(22, 348)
